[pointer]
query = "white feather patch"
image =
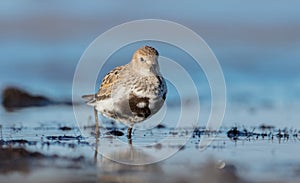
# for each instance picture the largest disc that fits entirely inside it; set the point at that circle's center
(141, 104)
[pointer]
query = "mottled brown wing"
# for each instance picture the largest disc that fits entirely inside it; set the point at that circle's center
(108, 82)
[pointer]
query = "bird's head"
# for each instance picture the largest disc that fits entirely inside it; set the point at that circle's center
(145, 60)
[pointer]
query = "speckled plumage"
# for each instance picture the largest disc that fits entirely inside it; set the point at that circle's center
(133, 92)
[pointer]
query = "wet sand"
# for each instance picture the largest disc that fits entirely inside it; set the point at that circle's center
(65, 157)
(46, 144)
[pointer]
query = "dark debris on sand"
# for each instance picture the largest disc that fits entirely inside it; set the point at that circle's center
(234, 133)
(267, 131)
(17, 141)
(65, 128)
(160, 126)
(115, 133)
(65, 137)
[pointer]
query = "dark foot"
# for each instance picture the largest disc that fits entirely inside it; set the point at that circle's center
(129, 132)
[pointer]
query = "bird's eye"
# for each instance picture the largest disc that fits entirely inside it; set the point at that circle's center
(142, 59)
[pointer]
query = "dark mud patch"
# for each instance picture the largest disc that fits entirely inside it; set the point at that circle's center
(21, 160)
(17, 159)
(15, 98)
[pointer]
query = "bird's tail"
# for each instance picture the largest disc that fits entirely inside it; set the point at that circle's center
(90, 99)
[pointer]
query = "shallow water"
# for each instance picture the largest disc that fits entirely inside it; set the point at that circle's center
(249, 157)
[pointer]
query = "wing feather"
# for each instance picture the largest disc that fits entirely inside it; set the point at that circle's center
(108, 83)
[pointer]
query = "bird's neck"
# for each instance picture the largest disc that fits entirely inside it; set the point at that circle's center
(147, 72)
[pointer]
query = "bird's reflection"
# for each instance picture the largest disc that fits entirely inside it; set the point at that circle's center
(125, 163)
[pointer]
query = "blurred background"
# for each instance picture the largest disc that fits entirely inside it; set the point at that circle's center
(256, 42)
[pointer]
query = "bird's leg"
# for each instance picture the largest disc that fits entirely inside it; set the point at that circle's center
(97, 122)
(129, 132)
